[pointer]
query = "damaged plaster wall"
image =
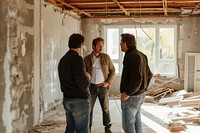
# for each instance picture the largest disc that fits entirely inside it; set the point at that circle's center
(17, 65)
(3, 47)
(57, 27)
(188, 40)
(188, 32)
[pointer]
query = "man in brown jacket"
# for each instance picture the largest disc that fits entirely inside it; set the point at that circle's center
(102, 71)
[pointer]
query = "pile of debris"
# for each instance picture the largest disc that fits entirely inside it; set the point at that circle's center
(171, 93)
(161, 87)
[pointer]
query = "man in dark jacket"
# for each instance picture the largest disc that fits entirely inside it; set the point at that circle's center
(135, 79)
(74, 82)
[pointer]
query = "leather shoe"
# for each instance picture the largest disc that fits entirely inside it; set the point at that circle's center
(107, 130)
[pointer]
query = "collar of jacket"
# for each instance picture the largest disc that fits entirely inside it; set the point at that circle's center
(131, 49)
(91, 56)
(72, 51)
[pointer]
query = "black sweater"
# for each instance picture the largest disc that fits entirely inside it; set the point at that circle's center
(73, 81)
(136, 74)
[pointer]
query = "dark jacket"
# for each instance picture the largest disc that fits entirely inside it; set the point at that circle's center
(73, 81)
(136, 74)
(107, 66)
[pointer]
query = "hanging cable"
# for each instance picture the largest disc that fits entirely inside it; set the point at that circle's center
(152, 47)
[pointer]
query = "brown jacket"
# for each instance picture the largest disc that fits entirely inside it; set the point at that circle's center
(107, 66)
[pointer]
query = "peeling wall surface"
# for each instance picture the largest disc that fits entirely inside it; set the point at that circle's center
(3, 49)
(17, 66)
(188, 40)
(57, 27)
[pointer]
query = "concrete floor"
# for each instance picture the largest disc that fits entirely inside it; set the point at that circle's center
(154, 118)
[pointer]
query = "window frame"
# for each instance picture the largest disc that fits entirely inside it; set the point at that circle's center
(156, 49)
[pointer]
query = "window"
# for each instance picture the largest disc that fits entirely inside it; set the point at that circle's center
(157, 42)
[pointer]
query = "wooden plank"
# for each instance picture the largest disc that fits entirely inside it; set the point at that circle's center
(171, 100)
(187, 118)
(174, 85)
(149, 99)
(192, 102)
(191, 94)
(164, 93)
(164, 84)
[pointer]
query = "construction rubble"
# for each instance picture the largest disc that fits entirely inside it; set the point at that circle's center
(170, 92)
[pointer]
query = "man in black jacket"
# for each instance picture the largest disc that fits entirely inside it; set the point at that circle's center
(135, 79)
(74, 82)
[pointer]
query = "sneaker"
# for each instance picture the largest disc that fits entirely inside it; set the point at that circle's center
(107, 130)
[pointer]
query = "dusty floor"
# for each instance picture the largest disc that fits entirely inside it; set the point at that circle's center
(154, 118)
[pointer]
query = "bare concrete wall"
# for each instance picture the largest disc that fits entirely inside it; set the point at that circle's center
(188, 40)
(90, 31)
(57, 27)
(16, 68)
(20, 52)
(3, 49)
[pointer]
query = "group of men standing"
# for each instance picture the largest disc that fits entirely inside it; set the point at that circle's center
(84, 80)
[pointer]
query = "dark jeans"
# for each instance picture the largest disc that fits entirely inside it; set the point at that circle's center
(77, 115)
(102, 94)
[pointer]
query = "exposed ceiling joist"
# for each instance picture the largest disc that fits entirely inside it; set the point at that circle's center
(75, 9)
(129, 8)
(165, 7)
(197, 7)
(121, 7)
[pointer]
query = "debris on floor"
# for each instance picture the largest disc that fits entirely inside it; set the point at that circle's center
(171, 93)
(167, 106)
(176, 126)
(53, 122)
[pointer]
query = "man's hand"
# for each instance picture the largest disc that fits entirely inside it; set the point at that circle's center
(124, 96)
(88, 75)
(106, 84)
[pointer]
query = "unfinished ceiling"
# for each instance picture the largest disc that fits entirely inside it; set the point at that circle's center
(129, 8)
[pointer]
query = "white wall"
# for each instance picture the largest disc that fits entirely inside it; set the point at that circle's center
(56, 29)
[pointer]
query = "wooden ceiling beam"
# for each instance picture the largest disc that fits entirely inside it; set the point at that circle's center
(196, 7)
(165, 7)
(126, 8)
(121, 7)
(74, 8)
(126, 1)
(131, 5)
(134, 10)
(143, 16)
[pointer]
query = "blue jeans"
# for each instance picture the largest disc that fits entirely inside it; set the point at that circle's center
(77, 115)
(131, 113)
(102, 94)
